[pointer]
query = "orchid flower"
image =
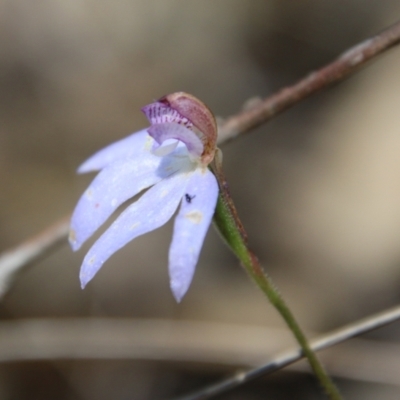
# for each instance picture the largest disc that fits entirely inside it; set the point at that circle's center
(170, 160)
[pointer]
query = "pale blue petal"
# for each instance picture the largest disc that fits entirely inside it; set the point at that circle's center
(163, 132)
(191, 225)
(117, 183)
(114, 185)
(167, 147)
(151, 211)
(130, 146)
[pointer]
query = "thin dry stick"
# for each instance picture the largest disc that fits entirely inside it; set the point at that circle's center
(346, 64)
(349, 62)
(282, 360)
(14, 260)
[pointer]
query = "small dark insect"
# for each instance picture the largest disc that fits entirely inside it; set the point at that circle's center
(189, 198)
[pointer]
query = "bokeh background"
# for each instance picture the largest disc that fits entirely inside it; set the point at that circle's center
(318, 189)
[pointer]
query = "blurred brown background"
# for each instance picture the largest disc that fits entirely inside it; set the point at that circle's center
(318, 188)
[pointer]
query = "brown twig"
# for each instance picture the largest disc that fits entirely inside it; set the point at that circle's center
(349, 62)
(346, 64)
(288, 357)
(14, 260)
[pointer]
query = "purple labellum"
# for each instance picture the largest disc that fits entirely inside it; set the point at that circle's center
(159, 113)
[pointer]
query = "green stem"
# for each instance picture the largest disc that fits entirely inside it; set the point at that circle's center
(229, 225)
(265, 283)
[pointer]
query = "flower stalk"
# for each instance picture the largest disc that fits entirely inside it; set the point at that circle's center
(229, 225)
